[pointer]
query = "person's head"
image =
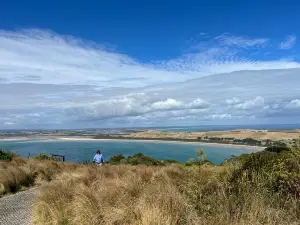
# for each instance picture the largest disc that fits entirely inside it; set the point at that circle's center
(98, 152)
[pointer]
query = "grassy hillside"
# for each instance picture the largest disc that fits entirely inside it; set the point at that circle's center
(260, 188)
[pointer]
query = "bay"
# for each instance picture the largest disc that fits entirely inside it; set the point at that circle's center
(78, 151)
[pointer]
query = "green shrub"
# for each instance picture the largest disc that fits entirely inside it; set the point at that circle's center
(43, 156)
(287, 174)
(170, 161)
(277, 149)
(196, 163)
(277, 172)
(116, 159)
(235, 160)
(6, 155)
(140, 158)
(137, 159)
(201, 159)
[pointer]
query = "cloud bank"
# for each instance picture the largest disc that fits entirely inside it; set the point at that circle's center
(52, 80)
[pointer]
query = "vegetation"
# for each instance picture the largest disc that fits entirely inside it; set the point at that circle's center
(6, 155)
(141, 159)
(117, 159)
(278, 169)
(43, 156)
(201, 159)
(138, 159)
(19, 173)
(259, 188)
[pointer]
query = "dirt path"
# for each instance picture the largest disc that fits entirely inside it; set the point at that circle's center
(17, 208)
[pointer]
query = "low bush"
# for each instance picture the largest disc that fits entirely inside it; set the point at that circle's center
(201, 159)
(196, 163)
(43, 156)
(235, 160)
(277, 149)
(170, 161)
(137, 159)
(117, 159)
(6, 155)
(278, 171)
(141, 159)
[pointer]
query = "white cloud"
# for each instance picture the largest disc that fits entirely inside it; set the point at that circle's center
(294, 104)
(219, 116)
(9, 123)
(168, 104)
(54, 59)
(258, 102)
(131, 105)
(242, 42)
(232, 101)
(289, 42)
(47, 78)
(197, 104)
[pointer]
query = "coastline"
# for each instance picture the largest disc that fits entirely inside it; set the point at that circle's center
(78, 138)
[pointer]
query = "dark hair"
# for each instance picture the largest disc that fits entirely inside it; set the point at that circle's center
(98, 152)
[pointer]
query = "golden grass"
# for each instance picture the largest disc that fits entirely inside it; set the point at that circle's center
(115, 195)
(21, 173)
(143, 195)
(171, 195)
(14, 176)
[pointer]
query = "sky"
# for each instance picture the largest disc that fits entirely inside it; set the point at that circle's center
(93, 64)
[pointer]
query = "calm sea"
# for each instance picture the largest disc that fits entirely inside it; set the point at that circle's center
(78, 151)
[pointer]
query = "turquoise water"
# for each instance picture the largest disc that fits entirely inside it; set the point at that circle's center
(78, 151)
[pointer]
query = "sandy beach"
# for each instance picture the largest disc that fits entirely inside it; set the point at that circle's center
(55, 138)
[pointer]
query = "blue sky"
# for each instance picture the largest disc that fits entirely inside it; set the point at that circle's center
(153, 30)
(117, 63)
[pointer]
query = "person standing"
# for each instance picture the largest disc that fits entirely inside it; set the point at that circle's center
(98, 158)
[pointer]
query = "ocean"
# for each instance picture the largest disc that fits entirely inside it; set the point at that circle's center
(78, 151)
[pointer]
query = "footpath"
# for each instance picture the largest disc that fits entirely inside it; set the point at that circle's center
(17, 209)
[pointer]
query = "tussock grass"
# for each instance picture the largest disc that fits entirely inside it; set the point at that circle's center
(14, 176)
(116, 195)
(147, 195)
(13, 179)
(20, 173)
(261, 188)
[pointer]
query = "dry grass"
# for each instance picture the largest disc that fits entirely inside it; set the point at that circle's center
(158, 195)
(144, 195)
(14, 176)
(116, 195)
(19, 173)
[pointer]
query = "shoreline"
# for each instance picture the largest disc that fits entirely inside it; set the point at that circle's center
(53, 138)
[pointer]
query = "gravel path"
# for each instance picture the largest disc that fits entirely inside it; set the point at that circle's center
(17, 208)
